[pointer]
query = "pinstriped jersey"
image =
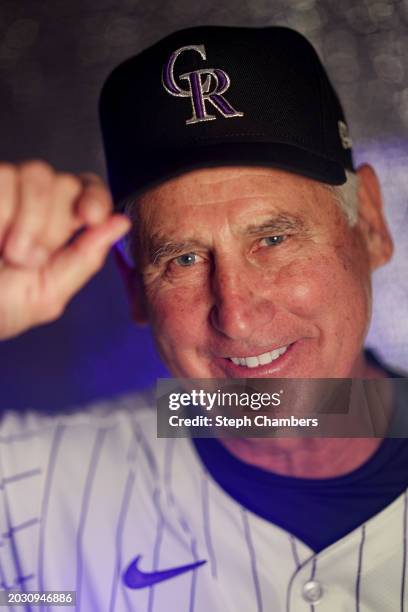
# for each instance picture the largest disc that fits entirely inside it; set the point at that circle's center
(87, 496)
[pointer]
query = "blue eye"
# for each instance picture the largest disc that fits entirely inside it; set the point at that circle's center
(274, 240)
(188, 259)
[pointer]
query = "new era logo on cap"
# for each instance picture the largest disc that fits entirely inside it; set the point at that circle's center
(344, 135)
(206, 85)
(163, 112)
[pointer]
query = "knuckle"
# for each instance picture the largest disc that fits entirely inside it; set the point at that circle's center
(7, 192)
(68, 182)
(7, 250)
(25, 238)
(91, 177)
(37, 169)
(99, 192)
(15, 243)
(53, 240)
(8, 173)
(36, 184)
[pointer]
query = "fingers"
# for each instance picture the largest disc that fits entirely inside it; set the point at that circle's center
(74, 265)
(95, 202)
(43, 263)
(8, 194)
(76, 201)
(41, 210)
(29, 206)
(61, 221)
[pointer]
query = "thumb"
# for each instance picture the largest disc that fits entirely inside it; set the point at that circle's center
(73, 266)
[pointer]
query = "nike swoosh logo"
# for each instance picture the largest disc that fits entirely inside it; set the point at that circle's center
(134, 578)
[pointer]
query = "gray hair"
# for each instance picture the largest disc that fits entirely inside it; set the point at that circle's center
(346, 196)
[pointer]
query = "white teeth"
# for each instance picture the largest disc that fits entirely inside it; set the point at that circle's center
(251, 362)
(265, 358)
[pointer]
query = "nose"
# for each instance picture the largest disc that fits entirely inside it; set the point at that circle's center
(240, 303)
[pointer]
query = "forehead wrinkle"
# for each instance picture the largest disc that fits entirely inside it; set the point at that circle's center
(244, 186)
(221, 193)
(205, 186)
(160, 242)
(213, 185)
(224, 174)
(231, 172)
(161, 245)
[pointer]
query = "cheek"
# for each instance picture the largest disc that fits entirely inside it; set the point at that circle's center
(323, 287)
(175, 313)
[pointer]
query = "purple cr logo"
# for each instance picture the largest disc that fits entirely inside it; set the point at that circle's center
(206, 85)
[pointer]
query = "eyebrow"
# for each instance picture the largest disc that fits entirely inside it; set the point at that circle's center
(161, 247)
(277, 224)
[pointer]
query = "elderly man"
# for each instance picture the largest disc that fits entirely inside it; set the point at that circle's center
(252, 245)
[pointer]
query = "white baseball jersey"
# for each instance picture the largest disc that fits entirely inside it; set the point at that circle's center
(94, 502)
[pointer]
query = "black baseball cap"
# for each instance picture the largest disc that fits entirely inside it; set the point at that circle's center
(213, 95)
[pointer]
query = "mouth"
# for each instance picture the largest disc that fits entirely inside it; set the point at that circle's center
(259, 360)
(275, 362)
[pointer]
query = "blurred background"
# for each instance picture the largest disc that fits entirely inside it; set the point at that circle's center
(54, 57)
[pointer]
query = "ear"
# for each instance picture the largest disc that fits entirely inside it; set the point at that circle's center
(371, 220)
(134, 288)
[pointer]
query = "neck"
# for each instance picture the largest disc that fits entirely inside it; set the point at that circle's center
(312, 457)
(304, 458)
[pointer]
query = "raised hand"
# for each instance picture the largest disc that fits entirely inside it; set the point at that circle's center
(44, 260)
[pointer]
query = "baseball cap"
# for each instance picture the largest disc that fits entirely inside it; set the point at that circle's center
(214, 95)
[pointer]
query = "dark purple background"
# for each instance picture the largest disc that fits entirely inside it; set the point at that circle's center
(54, 57)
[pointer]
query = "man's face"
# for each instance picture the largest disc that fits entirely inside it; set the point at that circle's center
(256, 265)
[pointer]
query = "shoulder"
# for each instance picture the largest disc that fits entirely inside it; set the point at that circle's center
(115, 421)
(102, 443)
(111, 437)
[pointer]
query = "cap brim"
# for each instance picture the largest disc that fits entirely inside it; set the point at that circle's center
(161, 166)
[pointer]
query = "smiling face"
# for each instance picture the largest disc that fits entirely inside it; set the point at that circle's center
(254, 272)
